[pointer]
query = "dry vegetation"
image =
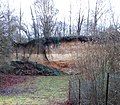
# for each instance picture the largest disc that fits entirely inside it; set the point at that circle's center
(77, 57)
(89, 62)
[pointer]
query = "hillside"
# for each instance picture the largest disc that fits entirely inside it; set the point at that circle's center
(68, 56)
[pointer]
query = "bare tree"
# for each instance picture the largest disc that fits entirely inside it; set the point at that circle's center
(34, 24)
(5, 34)
(20, 20)
(99, 11)
(80, 19)
(44, 22)
(88, 17)
(64, 27)
(70, 17)
(80, 22)
(46, 14)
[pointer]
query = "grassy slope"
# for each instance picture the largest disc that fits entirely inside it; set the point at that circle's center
(37, 91)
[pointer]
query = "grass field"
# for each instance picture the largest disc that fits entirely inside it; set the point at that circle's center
(36, 91)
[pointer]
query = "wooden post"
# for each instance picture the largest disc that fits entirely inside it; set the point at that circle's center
(69, 91)
(107, 88)
(79, 91)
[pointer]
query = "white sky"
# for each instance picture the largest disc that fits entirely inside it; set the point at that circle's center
(62, 5)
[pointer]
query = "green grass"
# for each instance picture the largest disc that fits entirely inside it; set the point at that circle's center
(38, 91)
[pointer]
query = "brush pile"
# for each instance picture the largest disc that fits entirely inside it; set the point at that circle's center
(31, 68)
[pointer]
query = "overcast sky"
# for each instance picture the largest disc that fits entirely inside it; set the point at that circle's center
(62, 5)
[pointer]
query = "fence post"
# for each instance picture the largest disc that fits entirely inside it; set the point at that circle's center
(107, 88)
(74, 92)
(79, 91)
